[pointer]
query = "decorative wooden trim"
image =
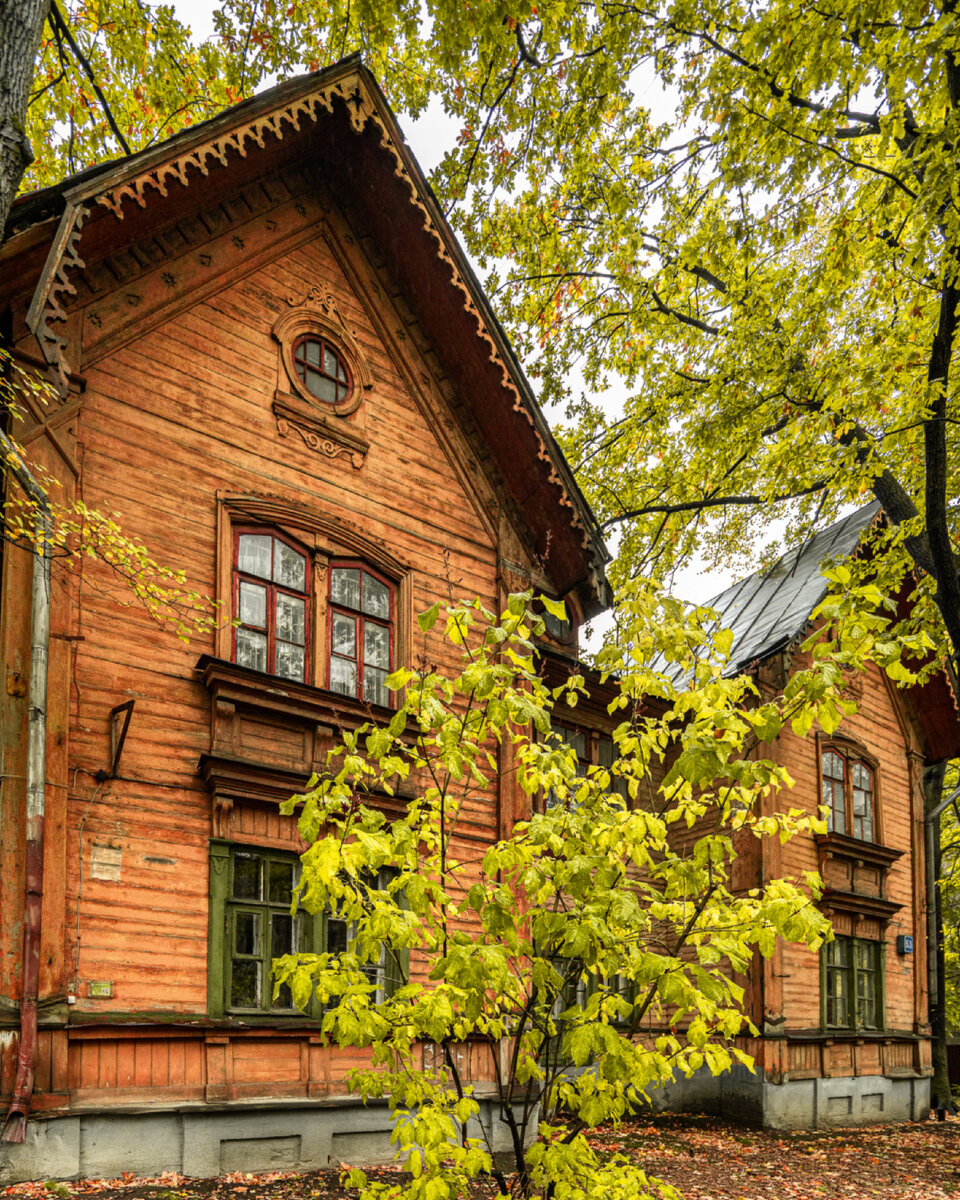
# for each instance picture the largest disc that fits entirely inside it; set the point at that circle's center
(45, 307)
(219, 875)
(859, 905)
(112, 321)
(241, 779)
(352, 85)
(408, 359)
(839, 845)
(343, 539)
(226, 681)
(319, 433)
(349, 88)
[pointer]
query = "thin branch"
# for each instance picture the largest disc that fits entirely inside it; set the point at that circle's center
(711, 502)
(57, 21)
(684, 318)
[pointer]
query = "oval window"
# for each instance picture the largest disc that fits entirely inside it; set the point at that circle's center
(321, 369)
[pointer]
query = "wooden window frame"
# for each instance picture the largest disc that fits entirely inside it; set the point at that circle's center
(325, 540)
(853, 1024)
(852, 753)
(273, 589)
(308, 323)
(593, 740)
(222, 909)
(325, 342)
(361, 618)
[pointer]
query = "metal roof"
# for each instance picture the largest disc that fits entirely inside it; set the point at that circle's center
(770, 608)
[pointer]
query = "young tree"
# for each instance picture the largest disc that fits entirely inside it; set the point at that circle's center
(597, 951)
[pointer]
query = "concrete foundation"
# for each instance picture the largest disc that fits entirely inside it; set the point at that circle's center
(740, 1095)
(200, 1142)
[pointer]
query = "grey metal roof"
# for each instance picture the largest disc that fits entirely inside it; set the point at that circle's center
(770, 608)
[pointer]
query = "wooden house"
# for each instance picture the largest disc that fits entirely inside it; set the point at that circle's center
(275, 364)
(845, 1039)
(278, 368)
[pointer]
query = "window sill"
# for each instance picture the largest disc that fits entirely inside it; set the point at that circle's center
(850, 849)
(185, 1022)
(268, 734)
(227, 680)
(845, 1035)
(859, 905)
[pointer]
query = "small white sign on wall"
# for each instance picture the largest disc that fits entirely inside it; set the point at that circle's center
(105, 862)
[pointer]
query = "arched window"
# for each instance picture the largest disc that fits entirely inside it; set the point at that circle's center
(271, 590)
(362, 615)
(849, 792)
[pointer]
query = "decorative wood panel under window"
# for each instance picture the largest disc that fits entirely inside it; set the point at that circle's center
(848, 789)
(852, 982)
(361, 615)
(271, 591)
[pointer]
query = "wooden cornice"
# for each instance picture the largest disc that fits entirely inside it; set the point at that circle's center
(859, 905)
(242, 779)
(283, 697)
(840, 845)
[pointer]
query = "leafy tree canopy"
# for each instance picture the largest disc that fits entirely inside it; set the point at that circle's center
(769, 278)
(599, 951)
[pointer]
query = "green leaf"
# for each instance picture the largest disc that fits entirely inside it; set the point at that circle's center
(426, 620)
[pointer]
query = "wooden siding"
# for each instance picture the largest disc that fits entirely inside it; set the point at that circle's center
(177, 414)
(792, 976)
(171, 420)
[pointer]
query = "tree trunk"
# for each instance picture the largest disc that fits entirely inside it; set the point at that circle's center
(21, 25)
(941, 1098)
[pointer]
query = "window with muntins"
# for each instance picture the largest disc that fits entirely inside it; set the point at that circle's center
(582, 743)
(577, 741)
(321, 369)
(271, 592)
(251, 891)
(260, 928)
(361, 614)
(848, 791)
(852, 984)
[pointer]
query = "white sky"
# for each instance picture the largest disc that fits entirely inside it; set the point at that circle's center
(429, 138)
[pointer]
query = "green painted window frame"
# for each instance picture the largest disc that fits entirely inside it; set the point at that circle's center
(223, 909)
(856, 975)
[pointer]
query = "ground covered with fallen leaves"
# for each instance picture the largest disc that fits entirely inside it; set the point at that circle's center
(706, 1159)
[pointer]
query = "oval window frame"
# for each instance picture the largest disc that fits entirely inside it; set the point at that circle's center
(302, 323)
(325, 343)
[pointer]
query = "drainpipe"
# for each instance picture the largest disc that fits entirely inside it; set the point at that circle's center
(15, 1126)
(931, 824)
